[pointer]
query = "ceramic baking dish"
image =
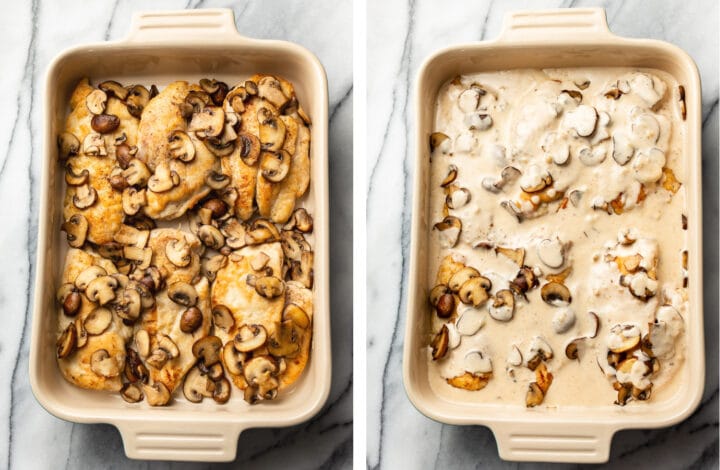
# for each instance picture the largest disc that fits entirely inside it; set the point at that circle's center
(162, 47)
(556, 38)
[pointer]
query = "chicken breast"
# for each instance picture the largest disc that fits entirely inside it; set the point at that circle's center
(296, 293)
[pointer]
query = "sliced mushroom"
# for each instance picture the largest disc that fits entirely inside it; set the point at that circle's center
(269, 287)
(191, 320)
(502, 307)
(474, 291)
(158, 358)
(163, 179)
(137, 98)
(183, 294)
(181, 146)
(101, 289)
(142, 343)
(524, 281)
(95, 101)
(136, 173)
(197, 385)
(156, 394)
(140, 257)
(517, 255)
(285, 341)
(648, 165)
(124, 154)
(583, 119)
(250, 338)
(76, 179)
(457, 197)
(551, 252)
(68, 145)
(207, 350)
(623, 337)
(103, 364)
(476, 362)
(297, 315)
(85, 196)
(217, 181)
(260, 369)
(478, 121)
(129, 304)
(445, 305)
(303, 271)
(94, 144)
(76, 229)
(179, 252)
(271, 130)
(463, 275)
(130, 236)
(233, 359)
(535, 180)
(449, 229)
(469, 100)
(451, 176)
(211, 237)
(515, 356)
(261, 231)
(440, 344)
(300, 221)
(595, 324)
(166, 343)
(234, 232)
(105, 123)
(556, 294)
(623, 150)
(468, 323)
(249, 148)
(98, 321)
(592, 157)
(270, 89)
(441, 141)
(293, 244)
(563, 319)
(212, 265)
(113, 88)
(222, 391)
(131, 393)
(135, 370)
(133, 200)
(70, 299)
(66, 342)
(88, 275)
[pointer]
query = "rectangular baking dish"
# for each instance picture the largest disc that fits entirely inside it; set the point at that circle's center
(542, 39)
(163, 47)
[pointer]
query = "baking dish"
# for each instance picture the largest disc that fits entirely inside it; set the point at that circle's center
(544, 39)
(162, 47)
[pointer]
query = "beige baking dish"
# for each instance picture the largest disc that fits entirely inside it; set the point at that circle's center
(162, 47)
(554, 38)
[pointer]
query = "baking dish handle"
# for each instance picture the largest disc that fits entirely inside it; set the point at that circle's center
(180, 440)
(216, 24)
(546, 25)
(556, 442)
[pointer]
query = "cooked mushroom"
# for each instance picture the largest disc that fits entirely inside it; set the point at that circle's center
(124, 154)
(183, 294)
(640, 285)
(502, 307)
(648, 165)
(260, 369)
(86, 276)
(129, 304)
(474, 291)
(457, 197)
(623, 337)
(85, 196)
(98, 321)
(293, 244)
(261, 231)
(68, 145)
(140, 257)
(583, 119)
(286, 340)
(103, 364)
(459, 278)
(297, 315)
(142, 343)
(571, 350)
(275, 166)
(440, 344)
(101, 289)
(269, 287)
(136, 173)
(476, 362)
(131, 393)
(524, 281)
(234, 232)
(135, 370)
(551, 252)
(217, 181)
(449, 228)
(250, 338)
(513, 209)
(212, 265)
(222, 391)
(441, 141)
(539, 351)
(76, 179)
(623, 150)
(137, 98)
(592, 157)
(133, 200)
(271, 130)
(105, 123)
(178, 252)
(445, 305)
(163, 179)
(113, 88)
(563, 319)
(94, 144)
(191, 320)
(117, 180)
(158, 358)
(517, 255)
(128, 235)
(166, 343)
(451, 176)
(556, 294)
(207, 350)
(233, 359)
(157, 394)
(69, 298)
(95, 101)
(66, 342)
(181, 146)
(208, 122)
(302, 271)
(249, 148)
(76, 229)
(211, 237)
(270, 89)
(469, 322)
(197, 386)
(515, 356)
(223, 318)
(534, 395)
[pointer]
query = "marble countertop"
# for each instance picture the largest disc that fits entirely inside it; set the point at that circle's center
(400, 36)
(32, 34)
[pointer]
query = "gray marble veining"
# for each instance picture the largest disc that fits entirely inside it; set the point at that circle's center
(32, 34)
(400, 36)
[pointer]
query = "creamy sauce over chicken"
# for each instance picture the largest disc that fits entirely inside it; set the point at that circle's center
(583, 169)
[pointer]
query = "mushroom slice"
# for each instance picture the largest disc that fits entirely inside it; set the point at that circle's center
(502, 307)
(129, 304)
(157, 394)
(85, 196)
(75, 179)
(469, 381)
(68, 145)
(140, 257)
(441, 141)
(269, 287)
(563, 319)
(515, 356)
(648, 165)
(451, 176)
(293, 244)
(131, 393)
(103, 364)
(76, 229)
(536, 180)
(623, 150)
(596, 324)
(457, 197)
(165, 343)
(222, 391)
(95, 101)
(513, 210)
(250, 338)
(300, 221)
(440, 344)
(89, 274)
(142, 343)
(572, 348)
(98, 321)
(436, 293)
(180, 146)
(640, 285)
(469, 323)
(191, 320)
(234, 232)
(516, 255)
(113, 88)
(474, 291)
(163, 179)
(275, 166)
(469, 100)
(138, 97)
(449, 228)
(592, 157)
(233, 359)
(463, 275)
(623, 337)
(285, 342)
(551, 252)
(130, 236)
(135, 370)
(261, 231)
(476, 362)
(270, 89)
(260, 371)
(178, 252)
(136, 173)
(539, 351)
(183, 294)
(583, 119)
(94, 144)
(681, 101)
(105, 123)
(271, 130)
(133, 200)
(216, 180)
(478, 121)
(524, 281)
(211, 237)
(66, 342)
(207, 350)
(197, 386)
(445, 305)
(157, 358)
(212, 265)
(249, 148)
(556, 294)
(101, 289)
(70, 299)
(297, 315)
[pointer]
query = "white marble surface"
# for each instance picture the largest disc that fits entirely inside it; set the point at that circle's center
(400, 36)
(32, 33)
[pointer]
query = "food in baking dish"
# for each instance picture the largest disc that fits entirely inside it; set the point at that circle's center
(558, 253)
(191, 262)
